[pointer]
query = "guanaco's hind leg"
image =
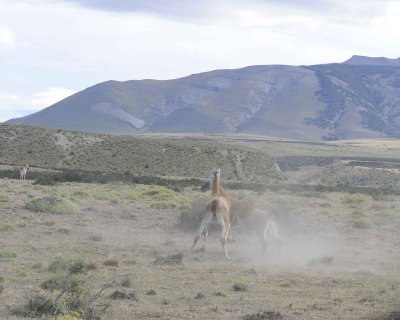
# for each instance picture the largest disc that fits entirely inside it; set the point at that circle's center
(203, 229)
(223, 220)
(272, 230)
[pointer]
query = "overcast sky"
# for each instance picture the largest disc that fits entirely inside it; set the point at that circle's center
(50, 49)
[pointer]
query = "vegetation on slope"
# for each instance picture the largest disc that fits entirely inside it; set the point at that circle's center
(57, 149)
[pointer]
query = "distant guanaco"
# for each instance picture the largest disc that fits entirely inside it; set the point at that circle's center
(22, 172)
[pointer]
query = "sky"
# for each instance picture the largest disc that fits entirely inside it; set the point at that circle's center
(50, 49)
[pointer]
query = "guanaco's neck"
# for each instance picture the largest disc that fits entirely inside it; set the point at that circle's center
(215, 187)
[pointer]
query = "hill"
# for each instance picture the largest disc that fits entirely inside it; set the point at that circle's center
(356, 99)
(373, 61)
(58, 149)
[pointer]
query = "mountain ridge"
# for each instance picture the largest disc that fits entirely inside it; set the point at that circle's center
(318, 102)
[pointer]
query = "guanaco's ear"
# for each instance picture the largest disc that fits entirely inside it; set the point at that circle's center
(206, 186)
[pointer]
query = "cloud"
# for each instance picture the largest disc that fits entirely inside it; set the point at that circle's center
(13, 105)
(217, 11)
(7, 39)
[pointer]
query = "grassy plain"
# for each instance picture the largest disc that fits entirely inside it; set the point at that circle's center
(340, 254)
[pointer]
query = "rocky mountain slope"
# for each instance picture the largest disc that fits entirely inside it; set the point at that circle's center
(356, 99)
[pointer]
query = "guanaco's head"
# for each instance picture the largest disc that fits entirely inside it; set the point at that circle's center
(216, 172)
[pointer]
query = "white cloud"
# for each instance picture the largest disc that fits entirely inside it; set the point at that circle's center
(7, 39)
(50, 96)
(13, 105)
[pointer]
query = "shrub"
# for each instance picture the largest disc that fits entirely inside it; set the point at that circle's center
(53, 204)
(120, 295)
(151, 292)
(352, 199)
(77, 266)
(111, 263)
(96, 237)
(71, 304)
(239, 286)
(7, 254)
(126, 283)
(199, 296)
(219, 294)
(171, 259)
(38, 304)
(7, 227)
(71, 266)
(91, 266)
(46, 180)
(362, 223)
(61, 281)
(58, 264)
(264, 315)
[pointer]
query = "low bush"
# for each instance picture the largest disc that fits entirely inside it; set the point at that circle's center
(61, 282)
(362, 223)
(52, 204)
(151, 292)
(120, 295)
(239, 286)
(72, 266)
(66, 302)
(7, 254)
(96, 237)
(7, 227)
(111, 263)
(37, 304)
(264, 315)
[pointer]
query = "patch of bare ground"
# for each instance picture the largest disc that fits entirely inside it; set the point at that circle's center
(339, 259)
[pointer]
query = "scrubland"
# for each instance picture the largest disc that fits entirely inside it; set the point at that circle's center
(118, 251)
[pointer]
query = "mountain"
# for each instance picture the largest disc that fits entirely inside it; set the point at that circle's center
(332, 101)
(373, 61)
